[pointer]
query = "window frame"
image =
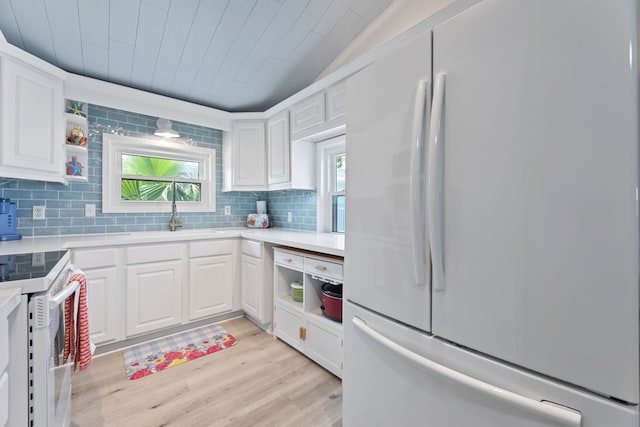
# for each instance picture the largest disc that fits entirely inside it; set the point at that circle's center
(114, 145)
(327, 150)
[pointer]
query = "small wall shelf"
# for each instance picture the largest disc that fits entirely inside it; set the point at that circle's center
(75, 148)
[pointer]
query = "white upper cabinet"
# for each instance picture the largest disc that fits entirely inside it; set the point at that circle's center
(291, 164)
(278, 159)
(320, 116)
(337, 101)
(244, 157)
(308, 113)
(31, 122)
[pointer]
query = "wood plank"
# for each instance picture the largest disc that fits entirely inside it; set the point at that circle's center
(123, 20)
(211, 63)
(282, 23)
(94, 23)
(162, 4)
(65, 38)
(309, 18)
(120, 62)
(31, 17)
(331, 16)
(259, 381)
(95, 60)
(150, 29)
(179, 24)
(234, 17)
(252, 30)
(204, 27)
(9, 25)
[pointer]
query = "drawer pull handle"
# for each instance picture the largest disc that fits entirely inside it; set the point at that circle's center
(288, 260)
(321, 268)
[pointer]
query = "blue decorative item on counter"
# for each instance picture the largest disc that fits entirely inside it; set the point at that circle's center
(8, 220)
(258, 221)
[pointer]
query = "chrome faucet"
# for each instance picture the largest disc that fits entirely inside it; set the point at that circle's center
(174, 222)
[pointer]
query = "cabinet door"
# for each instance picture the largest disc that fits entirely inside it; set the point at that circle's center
(32, 131)
(324, 343)
(337, 101)
(278, 149)
(252, 287)
(308, 113)
(289, 326)
(210, 285)
(104, 312)
(248, 147)
(154, 293)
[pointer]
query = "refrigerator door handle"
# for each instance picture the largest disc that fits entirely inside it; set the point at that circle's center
(415, 190)
(556, 413)
(435, 184)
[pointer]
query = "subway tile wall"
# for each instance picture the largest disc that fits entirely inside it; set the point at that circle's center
(301, 203)
(64, 204)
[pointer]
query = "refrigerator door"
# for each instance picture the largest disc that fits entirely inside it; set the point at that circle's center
(394, 375)
(387, 265)
(535, 188)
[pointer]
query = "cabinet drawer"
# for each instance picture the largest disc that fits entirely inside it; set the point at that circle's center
(323, 268)
(155, 253)
(210, 248)
(251, 248)
(288, 260)
(95, 258)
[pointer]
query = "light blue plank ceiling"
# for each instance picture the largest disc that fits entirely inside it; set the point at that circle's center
(236, 55)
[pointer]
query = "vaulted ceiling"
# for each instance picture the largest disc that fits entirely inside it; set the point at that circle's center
(235, 55)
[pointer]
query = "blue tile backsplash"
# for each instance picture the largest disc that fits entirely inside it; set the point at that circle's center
(65, 203)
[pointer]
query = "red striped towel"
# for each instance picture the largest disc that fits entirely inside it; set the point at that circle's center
(76, 326)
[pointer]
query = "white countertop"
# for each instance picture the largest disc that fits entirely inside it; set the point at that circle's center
(327, 243)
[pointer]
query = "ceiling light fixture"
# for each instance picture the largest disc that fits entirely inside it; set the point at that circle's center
(164, 129)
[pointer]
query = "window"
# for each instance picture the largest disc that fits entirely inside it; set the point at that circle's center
(331, 194)
(138, 175)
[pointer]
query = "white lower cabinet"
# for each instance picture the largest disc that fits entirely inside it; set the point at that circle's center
(154, 296)
(104, 327)
(211, 268)
(255, 282)
(104, 292)
(154, 287)
(288, 325)
(302, 324)
(323, 343)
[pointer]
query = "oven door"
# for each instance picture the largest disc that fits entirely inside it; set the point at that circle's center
(50, 377)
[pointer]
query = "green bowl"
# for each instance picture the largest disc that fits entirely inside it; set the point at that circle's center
(296, 291)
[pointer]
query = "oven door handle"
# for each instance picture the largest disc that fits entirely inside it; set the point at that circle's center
(59, 298)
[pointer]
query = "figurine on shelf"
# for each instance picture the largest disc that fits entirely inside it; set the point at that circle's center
(74, 168)
(76, 137)
(77, 108)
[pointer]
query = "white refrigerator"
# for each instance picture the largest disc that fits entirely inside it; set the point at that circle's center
(492, 231)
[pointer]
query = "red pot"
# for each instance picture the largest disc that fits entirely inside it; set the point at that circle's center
(332, 301)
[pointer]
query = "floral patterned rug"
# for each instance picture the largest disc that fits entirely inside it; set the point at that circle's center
(145, 359)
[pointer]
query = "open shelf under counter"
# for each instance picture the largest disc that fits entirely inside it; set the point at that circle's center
(303, 324)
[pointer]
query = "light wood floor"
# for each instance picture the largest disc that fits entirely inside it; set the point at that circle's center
(257, 382)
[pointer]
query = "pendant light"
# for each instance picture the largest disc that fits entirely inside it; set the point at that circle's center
(164, 129)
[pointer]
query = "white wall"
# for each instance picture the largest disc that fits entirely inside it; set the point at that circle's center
(399, 16)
